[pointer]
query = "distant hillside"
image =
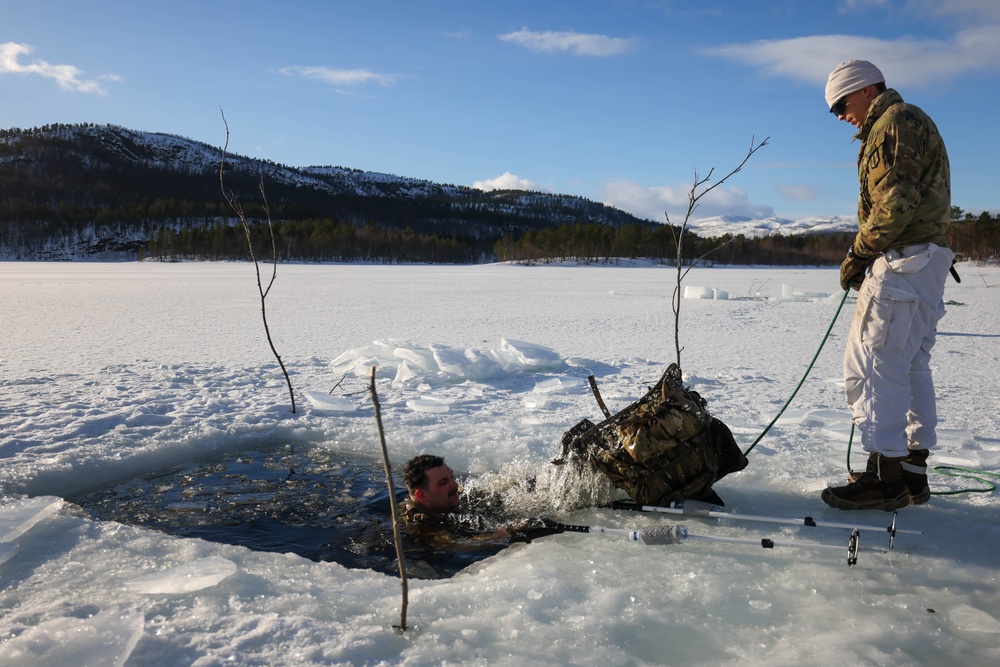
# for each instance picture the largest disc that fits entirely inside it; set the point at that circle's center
(101, 191)
(110, 193)
(757, 227)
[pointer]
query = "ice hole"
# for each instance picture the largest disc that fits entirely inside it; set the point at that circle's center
(300, 499)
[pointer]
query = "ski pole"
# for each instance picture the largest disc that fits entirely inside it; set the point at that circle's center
(698, 508)
(665, 534)
(853, 545)
(675, 534)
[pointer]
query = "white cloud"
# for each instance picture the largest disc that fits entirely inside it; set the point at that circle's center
(652, 203)
(506, 181)
(576, 43)
(67, 76)
(906, 61)
(339, 77)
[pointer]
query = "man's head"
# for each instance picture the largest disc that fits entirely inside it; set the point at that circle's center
(850, 89)
(432, 484)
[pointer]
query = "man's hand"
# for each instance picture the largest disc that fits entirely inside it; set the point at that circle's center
(531, 529)
(852, 270)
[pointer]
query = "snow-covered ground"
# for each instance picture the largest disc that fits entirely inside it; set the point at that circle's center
(112, 370)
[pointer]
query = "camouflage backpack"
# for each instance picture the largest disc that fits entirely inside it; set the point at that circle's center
(662, 448)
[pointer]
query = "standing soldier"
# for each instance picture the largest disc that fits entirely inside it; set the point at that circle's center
(898, 263)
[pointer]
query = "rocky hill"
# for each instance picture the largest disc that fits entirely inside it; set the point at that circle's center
(107, 192)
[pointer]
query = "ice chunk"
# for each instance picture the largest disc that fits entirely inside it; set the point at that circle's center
(417, 358)
(451, 360)
(327, 403)
(480, 365)
(695, 292)
(428, 405)
(186, 578)
(359, 361)
(516, 354)
(104, 639)
(557, 385)
(19, 516)
(404, 375)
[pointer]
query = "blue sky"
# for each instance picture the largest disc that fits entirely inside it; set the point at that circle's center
(620, 101)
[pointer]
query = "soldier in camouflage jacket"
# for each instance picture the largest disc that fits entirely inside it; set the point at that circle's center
(441, 539)
(898, 263)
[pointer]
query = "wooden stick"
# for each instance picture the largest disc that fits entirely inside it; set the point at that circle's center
(597, 395)
(392, 502)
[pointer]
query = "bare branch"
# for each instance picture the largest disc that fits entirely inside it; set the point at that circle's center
(230, 198)
(694, 196)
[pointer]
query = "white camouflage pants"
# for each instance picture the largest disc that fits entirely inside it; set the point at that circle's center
(887, 375)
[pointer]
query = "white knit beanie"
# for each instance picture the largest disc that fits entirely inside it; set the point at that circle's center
(849, 77)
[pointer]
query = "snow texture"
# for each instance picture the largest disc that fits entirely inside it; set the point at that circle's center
(108, 371)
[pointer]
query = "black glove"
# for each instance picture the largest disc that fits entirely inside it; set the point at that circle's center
(533, 529)
(852, 269)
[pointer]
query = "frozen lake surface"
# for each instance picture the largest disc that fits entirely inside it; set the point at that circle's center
(113, 371)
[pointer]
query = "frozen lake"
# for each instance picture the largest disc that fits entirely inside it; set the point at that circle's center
(108, 371)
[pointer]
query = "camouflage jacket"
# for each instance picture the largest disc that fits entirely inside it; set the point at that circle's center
(904, 176)
(447, 532)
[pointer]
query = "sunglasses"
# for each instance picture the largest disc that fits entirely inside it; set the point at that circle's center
(839, 107)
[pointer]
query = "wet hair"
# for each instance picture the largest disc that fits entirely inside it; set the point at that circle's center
(415, 473)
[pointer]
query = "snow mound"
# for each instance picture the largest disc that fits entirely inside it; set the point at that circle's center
(435, 364)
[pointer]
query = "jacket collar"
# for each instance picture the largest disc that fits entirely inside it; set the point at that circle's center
(878, 107)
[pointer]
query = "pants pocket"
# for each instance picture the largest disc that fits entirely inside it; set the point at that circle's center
(889, 318)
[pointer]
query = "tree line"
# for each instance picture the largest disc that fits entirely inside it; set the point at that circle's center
(975, 238)
(313, 240)
(87, 189)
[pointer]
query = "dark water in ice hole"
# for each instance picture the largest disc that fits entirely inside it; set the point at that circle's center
(300, 499)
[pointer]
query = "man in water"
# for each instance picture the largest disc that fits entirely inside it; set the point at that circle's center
(430, 513)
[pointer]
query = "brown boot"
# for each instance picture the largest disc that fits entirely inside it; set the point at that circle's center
(871, 468)
(915, 476)
(883, 490)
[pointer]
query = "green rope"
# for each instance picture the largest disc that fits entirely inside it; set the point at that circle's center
(966, 473)
(808, 370)
(950, 471)
(850, 440)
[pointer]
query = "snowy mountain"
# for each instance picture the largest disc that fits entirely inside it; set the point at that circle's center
(105, 191)
(757, 227)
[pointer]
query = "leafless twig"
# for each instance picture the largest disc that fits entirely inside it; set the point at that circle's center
(698, 190)
(234, 204)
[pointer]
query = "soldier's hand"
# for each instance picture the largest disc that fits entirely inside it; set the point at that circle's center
(852, 270)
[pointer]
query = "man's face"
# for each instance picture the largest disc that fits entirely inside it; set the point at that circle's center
(856, 106)
(441, 494)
